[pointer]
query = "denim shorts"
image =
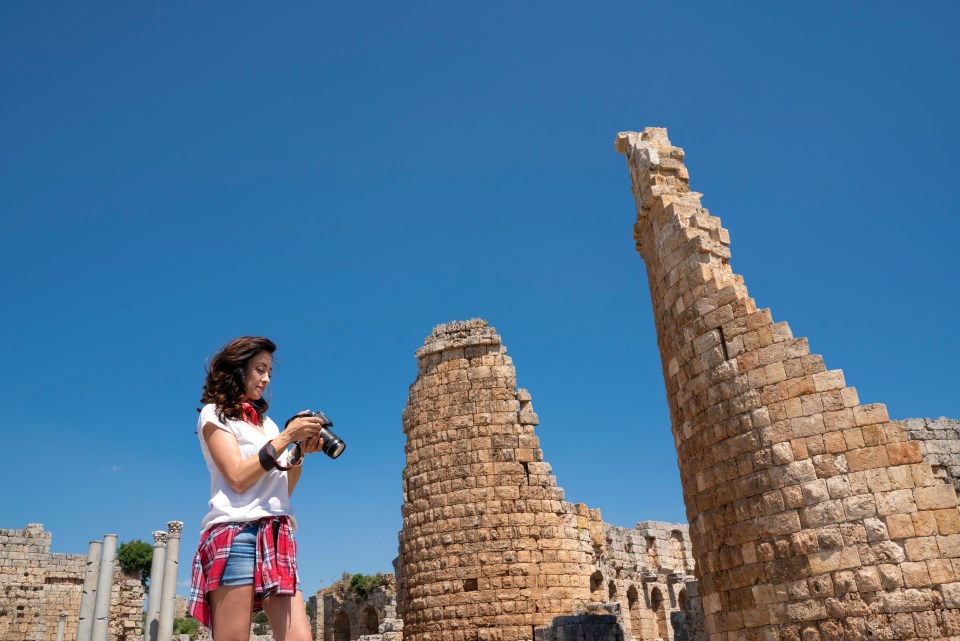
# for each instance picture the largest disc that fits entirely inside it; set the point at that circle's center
(243, 553)
(239, 567)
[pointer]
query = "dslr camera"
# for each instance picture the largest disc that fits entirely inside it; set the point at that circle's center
(333, 445)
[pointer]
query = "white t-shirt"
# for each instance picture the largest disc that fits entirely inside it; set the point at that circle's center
(269, 496)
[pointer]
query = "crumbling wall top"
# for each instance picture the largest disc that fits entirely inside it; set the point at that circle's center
(456, 334)
(651, 136)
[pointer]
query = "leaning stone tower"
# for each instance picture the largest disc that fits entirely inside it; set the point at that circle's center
(488, 548)
(811, 516)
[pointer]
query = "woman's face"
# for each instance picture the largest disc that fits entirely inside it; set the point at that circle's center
(257, 376)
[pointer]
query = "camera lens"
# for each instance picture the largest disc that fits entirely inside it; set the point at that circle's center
(333, 446)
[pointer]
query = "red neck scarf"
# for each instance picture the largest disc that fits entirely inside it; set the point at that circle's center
(250, 414)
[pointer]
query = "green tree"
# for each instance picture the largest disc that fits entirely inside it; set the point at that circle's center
(136, 555)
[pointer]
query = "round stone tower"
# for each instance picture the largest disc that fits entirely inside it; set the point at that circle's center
(488, 548)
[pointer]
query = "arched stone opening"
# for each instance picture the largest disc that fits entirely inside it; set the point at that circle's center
(678, 551)
(611, 591)
(369, 622)
(596, 586)
(656, 604)
(341, 626)
(682, 599)
(652, 552)
(633, 607)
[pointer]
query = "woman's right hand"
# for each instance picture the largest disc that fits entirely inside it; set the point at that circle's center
(302, 427)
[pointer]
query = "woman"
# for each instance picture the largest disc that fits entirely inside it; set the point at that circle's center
(246, 560)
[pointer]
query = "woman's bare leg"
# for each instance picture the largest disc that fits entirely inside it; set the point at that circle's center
(231, 609)
(288, 617)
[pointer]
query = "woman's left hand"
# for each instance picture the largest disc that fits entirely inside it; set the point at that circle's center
(312, 445)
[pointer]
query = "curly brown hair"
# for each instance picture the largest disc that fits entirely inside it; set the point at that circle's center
(224, 386)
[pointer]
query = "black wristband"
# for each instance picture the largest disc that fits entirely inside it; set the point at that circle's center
(268, 457)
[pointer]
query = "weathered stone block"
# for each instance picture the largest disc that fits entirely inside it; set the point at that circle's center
(909, 600)
(822, 514)
(948, 521)
(831, 380)
(867, 458)
(858, 507)
(870, 414)
(935, 497)
(890, 576)
(900, 526)
(951, 595)
(895, 502)
(940, 571)
(949, 546)
(874, 434)
(832, 560)
(904, 453)
(924, 523)
(810, 610)
(888, 552)
(793, 473)
(915, 575)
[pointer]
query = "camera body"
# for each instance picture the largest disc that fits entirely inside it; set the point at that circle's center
(333, 445)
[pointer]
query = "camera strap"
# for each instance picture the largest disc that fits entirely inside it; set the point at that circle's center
(269, 459)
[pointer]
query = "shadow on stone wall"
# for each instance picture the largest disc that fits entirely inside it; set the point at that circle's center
(600, 622)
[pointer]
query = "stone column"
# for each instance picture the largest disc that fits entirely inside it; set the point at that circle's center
(168, 594)
(156, 584)
(61, 624)
(101, 609)
(87, 601)
(811, 516)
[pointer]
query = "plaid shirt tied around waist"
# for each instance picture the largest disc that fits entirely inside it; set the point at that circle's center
(274, 569)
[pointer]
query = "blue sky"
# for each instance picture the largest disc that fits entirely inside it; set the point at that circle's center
(342, 179)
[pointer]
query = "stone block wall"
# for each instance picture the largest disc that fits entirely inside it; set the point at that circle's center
(642, 587)
(342, 617)
(36, 586)
(63, 588)
(645, 570)
(939, 440)
(127, 601)
(601, 622)
(687, 622)
(24, 555)
(811, 516)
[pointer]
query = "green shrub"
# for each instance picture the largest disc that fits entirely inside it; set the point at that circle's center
(260, 623)
(185, 625)
(363, 584)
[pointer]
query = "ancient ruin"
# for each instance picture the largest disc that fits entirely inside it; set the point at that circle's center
(489, 549)
(343, 616)
(37, 587)
(79, 597)
(812, 516)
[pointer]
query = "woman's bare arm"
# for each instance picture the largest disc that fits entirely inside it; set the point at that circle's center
(240, 473)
